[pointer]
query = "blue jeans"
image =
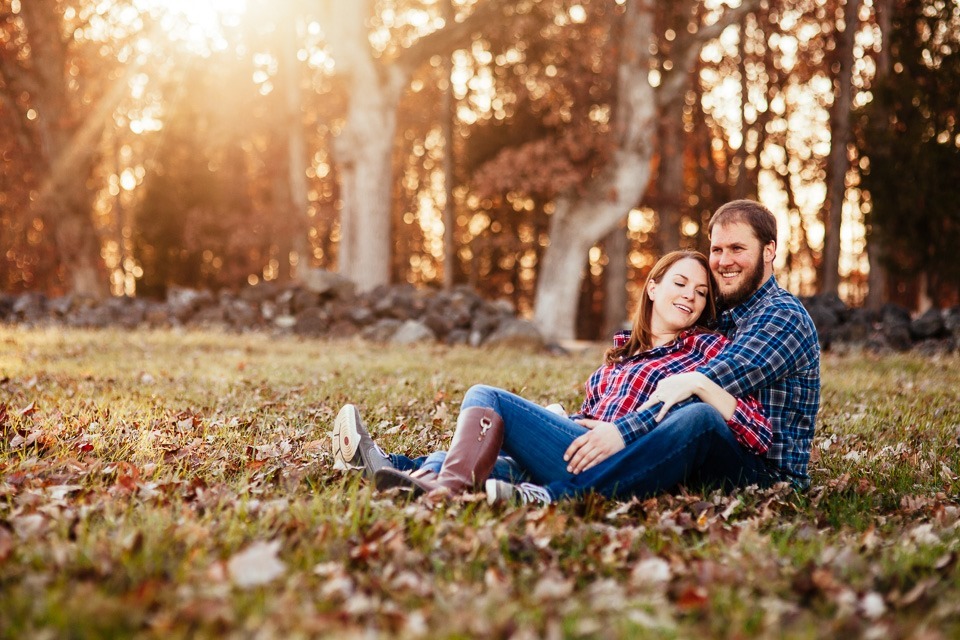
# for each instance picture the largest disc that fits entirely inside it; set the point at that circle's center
(505, 468)
(693, 445)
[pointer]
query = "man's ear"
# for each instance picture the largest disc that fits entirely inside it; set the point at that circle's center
(770, 252)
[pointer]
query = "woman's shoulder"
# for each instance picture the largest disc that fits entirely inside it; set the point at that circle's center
(705, 338)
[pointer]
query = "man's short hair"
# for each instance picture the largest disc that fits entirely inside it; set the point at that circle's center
(753, 214)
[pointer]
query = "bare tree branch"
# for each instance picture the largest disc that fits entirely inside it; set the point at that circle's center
(446, 39)
(675, 82)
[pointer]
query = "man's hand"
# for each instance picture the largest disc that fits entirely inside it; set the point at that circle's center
(602, 441)
(674, 389)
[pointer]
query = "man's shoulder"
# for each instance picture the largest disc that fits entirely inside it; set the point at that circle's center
(781, 307)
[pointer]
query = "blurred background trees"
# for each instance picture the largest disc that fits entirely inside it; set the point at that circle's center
(542, 151)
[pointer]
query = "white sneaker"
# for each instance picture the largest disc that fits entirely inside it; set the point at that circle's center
(500, 492)
(353, 448)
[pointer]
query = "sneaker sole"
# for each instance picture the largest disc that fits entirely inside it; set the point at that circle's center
(346, 438)
(490, 486)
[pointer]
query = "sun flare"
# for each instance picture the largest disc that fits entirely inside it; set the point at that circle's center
(197, 24)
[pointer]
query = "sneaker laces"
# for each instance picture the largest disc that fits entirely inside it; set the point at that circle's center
(533, 493)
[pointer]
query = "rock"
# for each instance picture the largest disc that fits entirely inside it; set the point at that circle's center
(6, 306)
(928, 325)
(441, 325)
(951, 322)
(29, 307)
(61, 306)
(458, 336)
(382, 330)
(312, 322)
(262, 291)
(184, 303)
(212, 316)
(342, 329)
(413, 331)
(328, 284)
(285, 322)
(240, 314)
(304, 299)
(156, 315)
(516, 333)
(857, 328)
(361, 316)
(825, 320)
(896, 327)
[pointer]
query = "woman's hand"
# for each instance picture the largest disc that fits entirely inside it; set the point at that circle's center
(602, 441)
(674, 389)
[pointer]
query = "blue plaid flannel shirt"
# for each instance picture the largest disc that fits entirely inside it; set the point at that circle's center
(774, 355)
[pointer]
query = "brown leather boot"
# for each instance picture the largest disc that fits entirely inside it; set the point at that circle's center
(470, 459)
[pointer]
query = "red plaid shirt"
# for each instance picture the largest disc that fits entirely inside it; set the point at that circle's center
(616, 390)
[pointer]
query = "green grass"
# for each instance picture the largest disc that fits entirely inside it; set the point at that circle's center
(135, 465)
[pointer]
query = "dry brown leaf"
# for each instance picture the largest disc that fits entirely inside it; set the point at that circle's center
(256, 565)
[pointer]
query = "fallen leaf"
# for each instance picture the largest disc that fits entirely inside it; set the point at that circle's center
(256, 565)
(6, 544)
(651, 573)
(872, 605)
(552, 587)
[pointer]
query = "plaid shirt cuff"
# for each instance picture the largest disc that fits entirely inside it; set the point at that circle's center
(634, 425)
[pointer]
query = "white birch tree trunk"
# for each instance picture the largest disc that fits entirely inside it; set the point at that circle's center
(579, 223)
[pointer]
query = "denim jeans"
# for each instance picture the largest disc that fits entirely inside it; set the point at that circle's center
(505, 468)
(693, 445)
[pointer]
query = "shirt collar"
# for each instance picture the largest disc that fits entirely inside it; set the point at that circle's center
(746, 307)
(622, 337)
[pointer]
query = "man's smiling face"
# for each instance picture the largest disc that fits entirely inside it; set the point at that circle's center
(739, 262)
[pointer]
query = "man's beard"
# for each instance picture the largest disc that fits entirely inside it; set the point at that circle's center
(751, 283)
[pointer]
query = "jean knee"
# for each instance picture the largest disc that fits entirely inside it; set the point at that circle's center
(698, 415)
(481, 395)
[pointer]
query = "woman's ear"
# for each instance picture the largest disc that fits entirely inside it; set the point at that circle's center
(651, 289)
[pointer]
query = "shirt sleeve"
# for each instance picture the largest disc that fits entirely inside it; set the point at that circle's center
(637, 423)
(766, 348)
(750, 426)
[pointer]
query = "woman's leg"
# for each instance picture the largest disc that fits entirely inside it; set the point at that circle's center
(692, 442)
(533, 436)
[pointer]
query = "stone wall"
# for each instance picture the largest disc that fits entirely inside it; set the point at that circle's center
(326, 304)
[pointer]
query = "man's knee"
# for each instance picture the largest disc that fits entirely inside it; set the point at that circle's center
(697, 415)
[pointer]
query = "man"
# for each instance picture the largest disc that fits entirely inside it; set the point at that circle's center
(774, 355)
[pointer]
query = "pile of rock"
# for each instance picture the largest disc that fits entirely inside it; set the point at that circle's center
(326, 304)
(323, 304)
(890, 328)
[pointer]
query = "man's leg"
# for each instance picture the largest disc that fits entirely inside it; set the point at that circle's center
(693, 440)
(534, 437)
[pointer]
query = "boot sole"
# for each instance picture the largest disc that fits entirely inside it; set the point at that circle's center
(346, 436)
(386, 479)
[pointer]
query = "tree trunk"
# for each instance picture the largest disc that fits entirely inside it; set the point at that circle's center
(447, 116)
(877, 281)
(670, 175)
(617, 246)
(363, 149)
(581, 222)
(299, 187)
(69, 148)
(839, 162)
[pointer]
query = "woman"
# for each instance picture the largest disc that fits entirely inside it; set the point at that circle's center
(547, 448)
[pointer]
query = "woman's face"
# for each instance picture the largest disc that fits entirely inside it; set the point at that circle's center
(679, 298)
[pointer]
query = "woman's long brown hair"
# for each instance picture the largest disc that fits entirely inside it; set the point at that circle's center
(641, 335)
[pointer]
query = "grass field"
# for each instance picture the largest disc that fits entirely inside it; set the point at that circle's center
(179, 484)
